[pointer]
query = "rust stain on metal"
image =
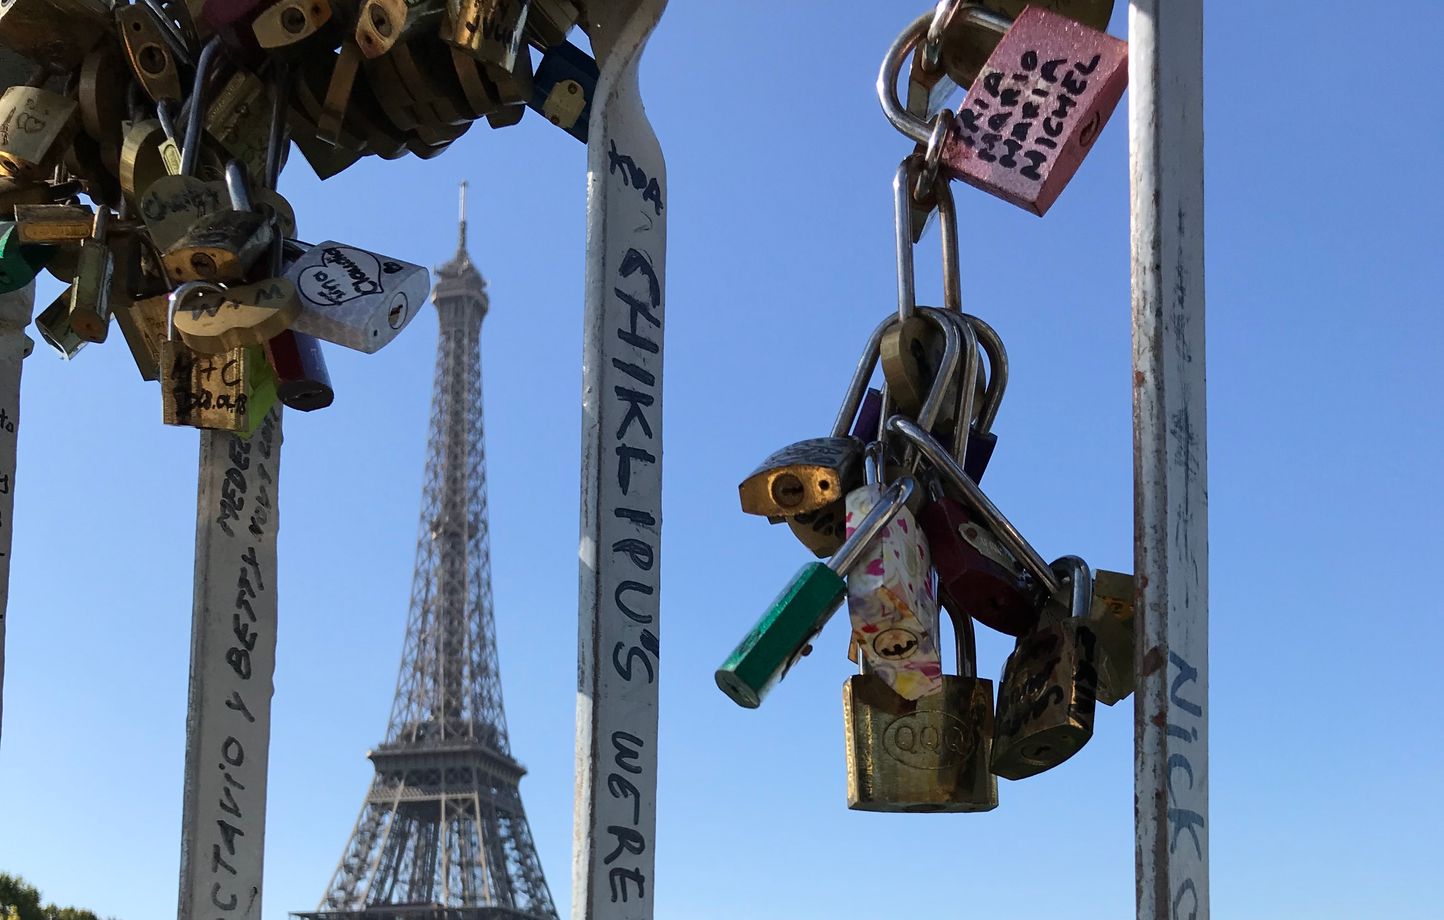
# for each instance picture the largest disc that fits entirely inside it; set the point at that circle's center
(1139, 378)
(1152, 661)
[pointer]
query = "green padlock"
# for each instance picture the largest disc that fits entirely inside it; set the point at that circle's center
(765, 654)
(19, 262)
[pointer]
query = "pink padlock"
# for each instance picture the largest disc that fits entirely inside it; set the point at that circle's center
(1034, 111)
(1039, 103)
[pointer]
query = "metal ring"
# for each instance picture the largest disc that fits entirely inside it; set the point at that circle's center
(909, 124)
(933, 155)
(933, 44)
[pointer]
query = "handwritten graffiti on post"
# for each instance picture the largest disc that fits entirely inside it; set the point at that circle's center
(1187, 793)
(233, 652)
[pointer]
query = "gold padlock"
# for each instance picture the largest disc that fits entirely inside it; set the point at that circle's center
(1050, 683)
(928, 755)
(1112, 622)
(803, 477)
(54, 33)
(231, 391)
(53, 224)
(223, 245)
(36, 127)
(151, 59)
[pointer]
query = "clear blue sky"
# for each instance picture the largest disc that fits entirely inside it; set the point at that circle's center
(1324, 379)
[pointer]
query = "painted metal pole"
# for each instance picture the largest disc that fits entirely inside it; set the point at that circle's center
(1165, 60)
(614, 829)
(15, 310)
(233, 660)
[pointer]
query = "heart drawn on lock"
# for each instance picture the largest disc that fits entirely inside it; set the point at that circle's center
(343, 274)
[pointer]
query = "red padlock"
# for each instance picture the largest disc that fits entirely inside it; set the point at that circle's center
(302, 380)
(1036, 108)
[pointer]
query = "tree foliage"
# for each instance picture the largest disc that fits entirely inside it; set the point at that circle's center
(21, 901)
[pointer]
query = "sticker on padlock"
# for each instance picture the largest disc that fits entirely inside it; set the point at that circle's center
(927, 755)
(355, 298)
(890, 598)
(784, 633)
(1050, 683)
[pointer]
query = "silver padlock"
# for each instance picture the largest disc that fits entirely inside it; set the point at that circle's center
(355, 298)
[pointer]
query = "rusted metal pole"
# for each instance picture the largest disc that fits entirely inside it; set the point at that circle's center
(1170, 458)
(614, 828)
(233, 660)
(15, 310)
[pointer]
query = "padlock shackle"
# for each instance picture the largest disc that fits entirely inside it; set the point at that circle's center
(971, 368)
(861, 375)
(190, 153)
(997, 373)
(1079, 578)
(977, 501)
(966, 639)
(238, 186)
(892, 500)
(902, 185)
(182, 294)
(909, 124)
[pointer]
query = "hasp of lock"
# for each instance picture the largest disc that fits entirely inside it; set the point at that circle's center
(798, 613)
(355, 298)
(890, 599)
(1112, 621)
(1032, 114)
(1050, 684)
(928, 755)
(803, 477)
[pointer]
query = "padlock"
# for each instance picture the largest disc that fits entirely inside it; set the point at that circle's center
(1050, 683)
(240, 119)
(355, 298)
(493, 31)
(221, 246)
(785, 632)
(959, 47)
(89, 302)
(54, 33)
(101, 95)
(15, 191)
(231, 391)
(382, 24)
(19, 262)
(985, 567)
(289, 22)
(302, 380)
(890, 598)
(150, 56)
(925, 755)
(1111, 618)
(563, 88)
(53, 324)
(146, 320)
(549, 22)
(803, 477)
(250, 314)
(36, 127)
(1033, 112)
(53, 224)
(981, 439)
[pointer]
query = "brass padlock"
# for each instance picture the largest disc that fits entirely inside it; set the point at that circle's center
(250, 314)
(150, 57)
(53, 224)
(382, 24)
(224, 245)
(1050, 683)
(231, 391)
(929, 755)
(36, 127)
(803, 477)
(53, 324)
(54, 33)
(240, 120)
(493, 31)
(1112, 622)
(89, 302)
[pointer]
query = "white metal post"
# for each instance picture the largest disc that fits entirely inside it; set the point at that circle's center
(233, 661)
(1170, 458)
(15, 310)
(614, 830)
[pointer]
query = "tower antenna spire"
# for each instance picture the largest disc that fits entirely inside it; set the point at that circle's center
(461, 245)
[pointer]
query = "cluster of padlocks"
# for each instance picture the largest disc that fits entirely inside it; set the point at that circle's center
(891, 497)
(175, 117)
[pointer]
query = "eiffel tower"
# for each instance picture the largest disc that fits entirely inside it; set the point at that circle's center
(442, 834)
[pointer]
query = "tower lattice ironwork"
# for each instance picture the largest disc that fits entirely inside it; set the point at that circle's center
(442, 834)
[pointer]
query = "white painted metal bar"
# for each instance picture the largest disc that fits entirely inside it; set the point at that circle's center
(1170, 458)
(15, 310)
(233, 660)
(614, 830)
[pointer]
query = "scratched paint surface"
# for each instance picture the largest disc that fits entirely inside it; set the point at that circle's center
(233, 660)
(614, 846)
(1170, 461)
